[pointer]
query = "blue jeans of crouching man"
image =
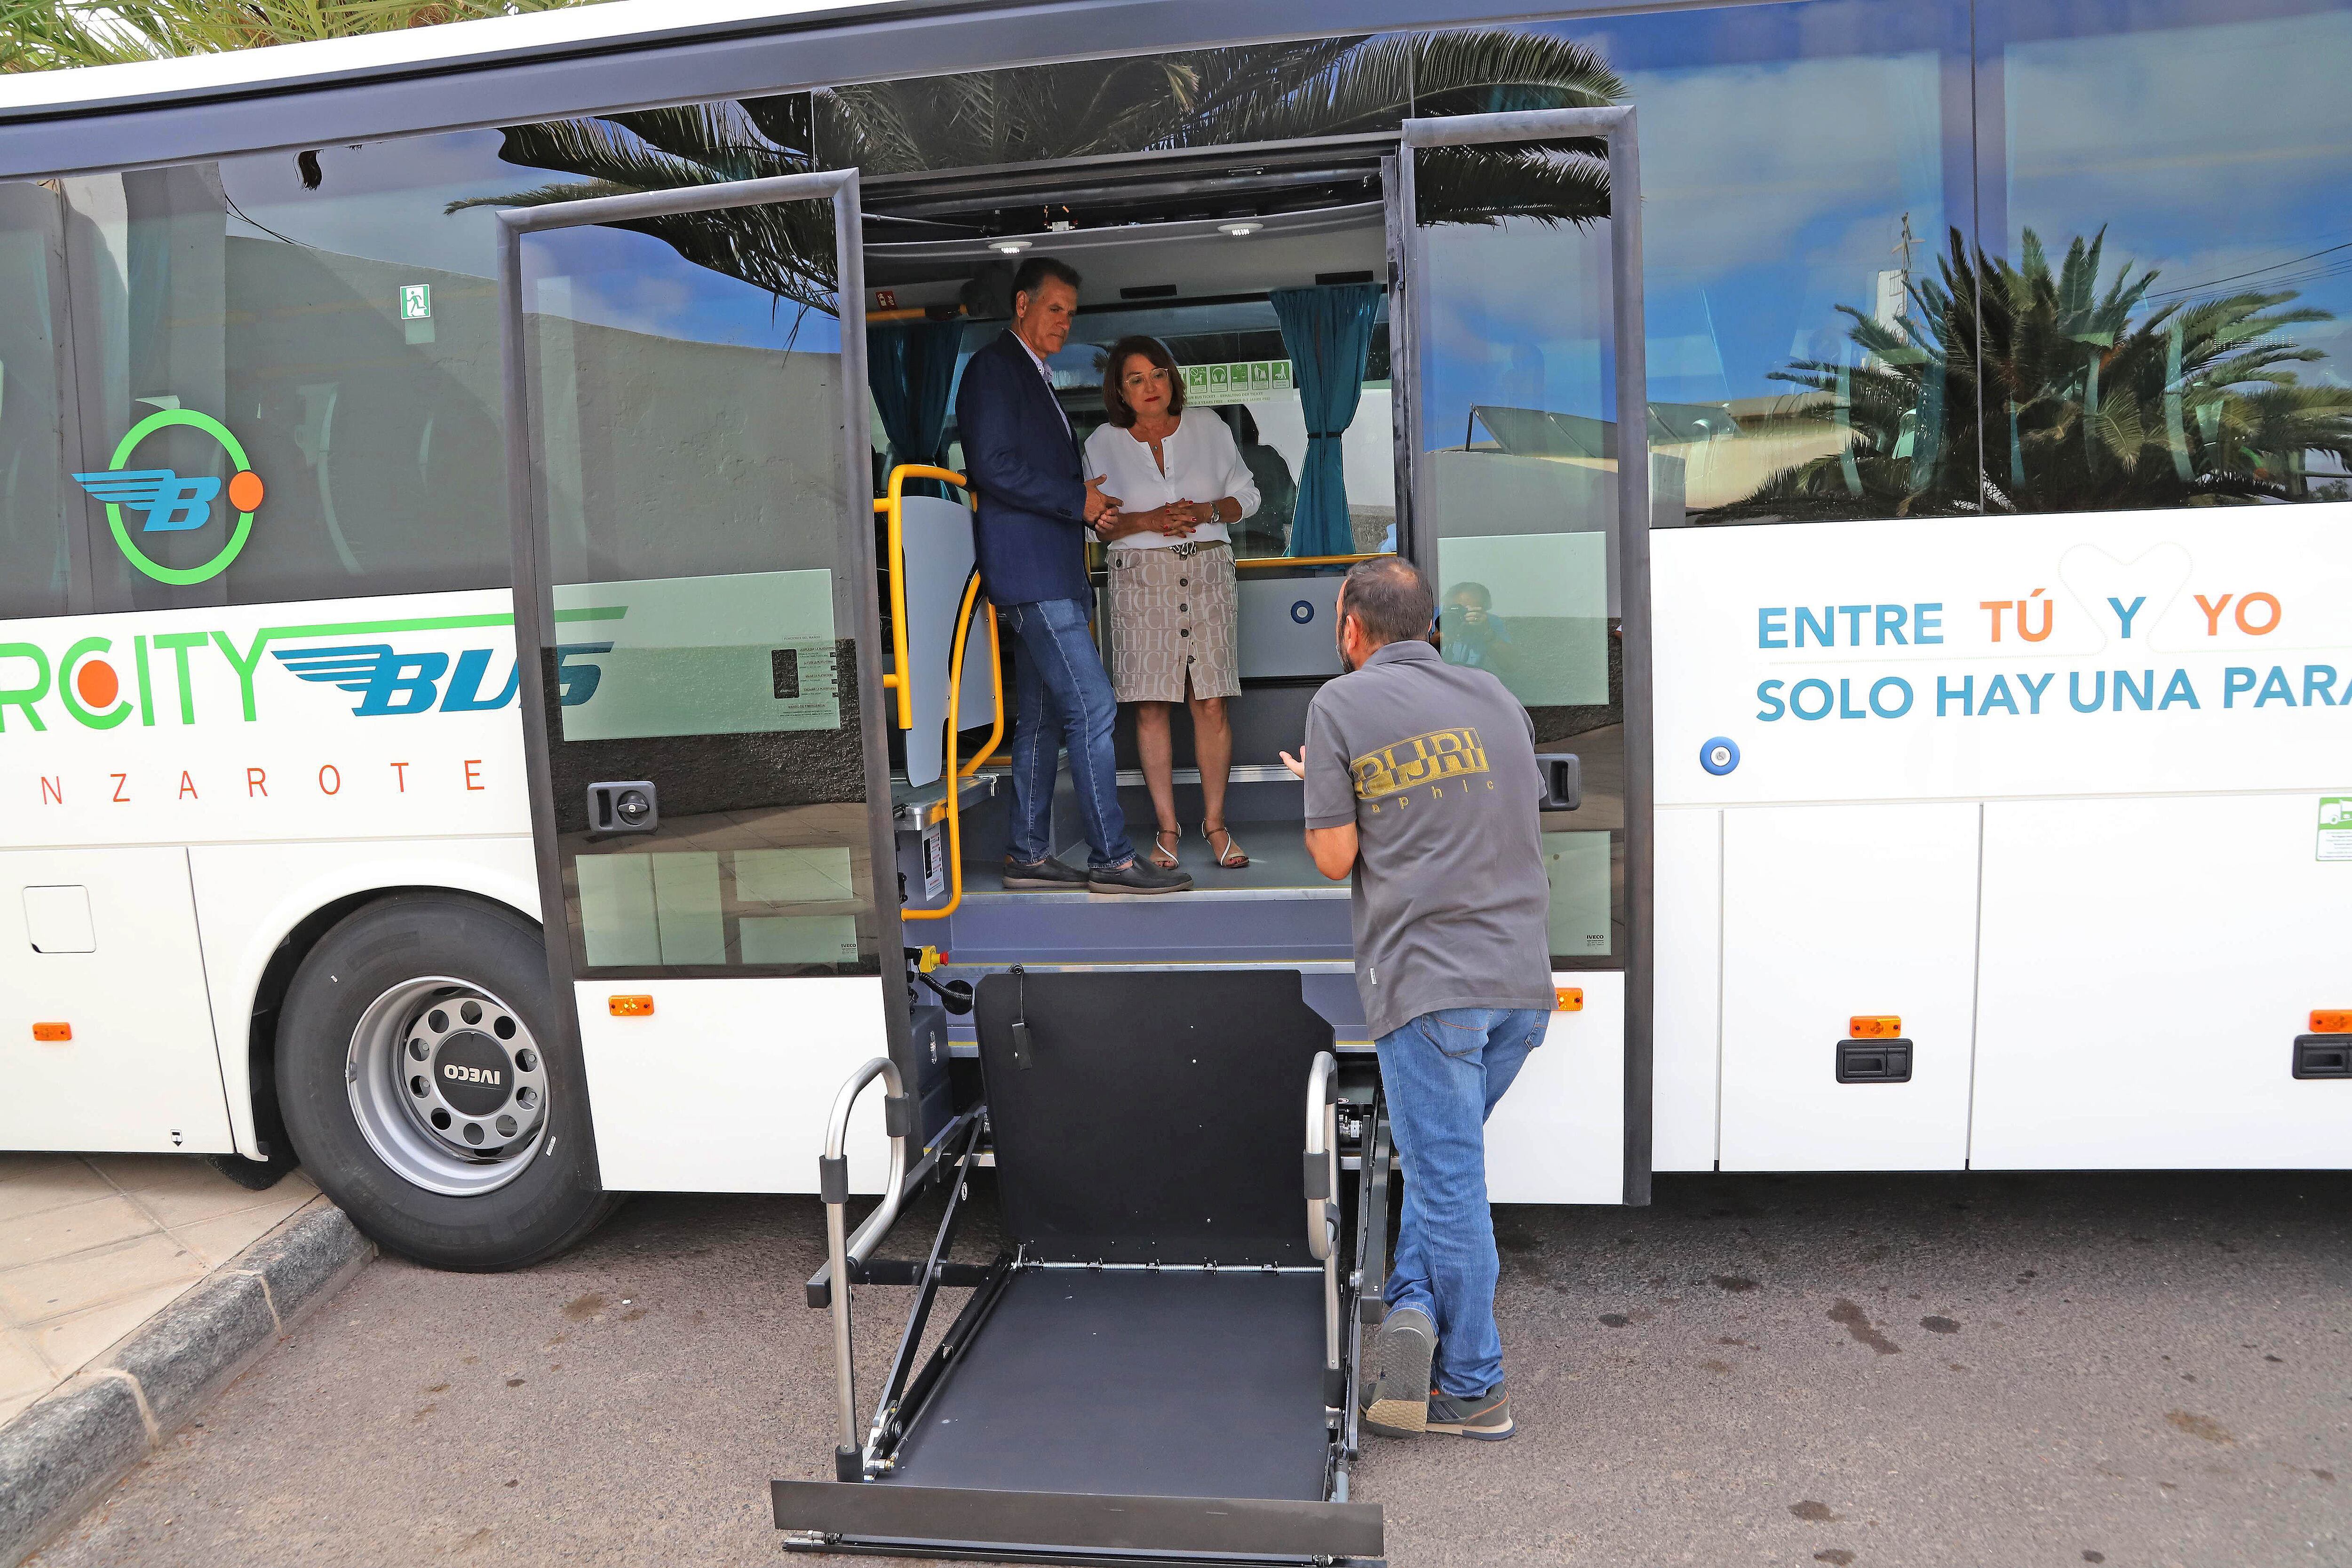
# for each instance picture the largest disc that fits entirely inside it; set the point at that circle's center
(1443, 1074)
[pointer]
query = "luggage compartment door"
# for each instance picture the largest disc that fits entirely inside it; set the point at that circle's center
(1831, 914)
(2151, 967)
(106, 1033)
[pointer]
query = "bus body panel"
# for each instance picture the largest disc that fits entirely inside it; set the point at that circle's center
(1831, 912)
(1686, 1046)
(346, 719)
(726, 1085)
(104, 943)
(2181, 651)
(278, 757)
(2147, 966)
(1559, 1135)
(2144, 708)
(249, 897)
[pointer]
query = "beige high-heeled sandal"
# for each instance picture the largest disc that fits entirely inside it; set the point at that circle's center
(1163, 856)
(1233, 857)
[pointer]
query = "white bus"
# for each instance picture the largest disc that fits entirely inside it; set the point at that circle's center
(1965, 779)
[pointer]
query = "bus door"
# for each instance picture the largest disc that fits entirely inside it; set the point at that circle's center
(1523, 474)
(689, 481)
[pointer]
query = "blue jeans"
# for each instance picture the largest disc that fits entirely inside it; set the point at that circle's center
(1443, 1074)
(1062, 698)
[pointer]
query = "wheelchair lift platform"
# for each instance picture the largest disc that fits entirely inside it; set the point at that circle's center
(1163, 1370)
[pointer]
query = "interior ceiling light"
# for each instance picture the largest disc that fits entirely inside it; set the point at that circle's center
(1008, 246)
(1240, 228)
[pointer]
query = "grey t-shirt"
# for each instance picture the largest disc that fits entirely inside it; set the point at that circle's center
(1436, 764)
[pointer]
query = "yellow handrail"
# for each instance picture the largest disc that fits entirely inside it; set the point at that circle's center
(888, 505)
(995, 684)
(1308, 559)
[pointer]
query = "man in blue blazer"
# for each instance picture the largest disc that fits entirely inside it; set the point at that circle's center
(1036, 506)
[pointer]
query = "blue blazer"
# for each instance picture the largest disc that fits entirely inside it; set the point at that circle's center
(1030, 531)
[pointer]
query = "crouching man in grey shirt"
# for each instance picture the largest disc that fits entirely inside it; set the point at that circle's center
(1422, 783)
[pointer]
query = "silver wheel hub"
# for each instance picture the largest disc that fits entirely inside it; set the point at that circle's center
(448, 1085)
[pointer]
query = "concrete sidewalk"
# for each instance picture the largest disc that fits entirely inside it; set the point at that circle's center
(93, 1246)
(138, 1289)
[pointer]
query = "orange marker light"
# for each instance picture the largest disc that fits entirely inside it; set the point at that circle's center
(1568, 998)
(1882, 1026)
(52, 1033)
(2331, 1020)
(631, 1007)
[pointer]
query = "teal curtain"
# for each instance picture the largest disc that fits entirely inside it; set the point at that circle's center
(911, 366)
(1327, 332)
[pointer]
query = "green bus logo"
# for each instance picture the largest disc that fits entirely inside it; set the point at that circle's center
(169, 504)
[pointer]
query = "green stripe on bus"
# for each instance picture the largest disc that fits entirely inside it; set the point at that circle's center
(361, 628)
(431, 623)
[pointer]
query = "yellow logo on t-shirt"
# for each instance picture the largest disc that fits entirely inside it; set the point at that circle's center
(1429, 758)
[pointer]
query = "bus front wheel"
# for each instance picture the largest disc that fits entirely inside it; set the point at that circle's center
(415, 1086)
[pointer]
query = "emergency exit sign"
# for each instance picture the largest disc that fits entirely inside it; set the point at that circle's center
(416, 302)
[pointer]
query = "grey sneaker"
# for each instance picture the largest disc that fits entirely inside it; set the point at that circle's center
(1397, 1396)
(1048, 874)
(1139, 875)
(1486, 1417)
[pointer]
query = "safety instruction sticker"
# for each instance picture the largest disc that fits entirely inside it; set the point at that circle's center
(1244, 381)
(2335, 828)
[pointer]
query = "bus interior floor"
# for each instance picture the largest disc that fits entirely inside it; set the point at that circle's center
(1278, 862)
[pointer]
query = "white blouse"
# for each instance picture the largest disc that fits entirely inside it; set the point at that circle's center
(1203, 465)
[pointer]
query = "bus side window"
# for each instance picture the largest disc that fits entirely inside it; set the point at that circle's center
(35, 541)
(343, 335)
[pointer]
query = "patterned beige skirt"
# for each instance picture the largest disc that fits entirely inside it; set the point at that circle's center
(1171, 616)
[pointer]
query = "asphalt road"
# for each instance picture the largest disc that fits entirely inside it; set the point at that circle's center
(1850, 1370)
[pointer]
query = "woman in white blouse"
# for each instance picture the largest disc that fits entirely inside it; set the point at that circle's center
(1179, 483)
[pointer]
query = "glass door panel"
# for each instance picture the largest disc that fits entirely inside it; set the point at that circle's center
(1513, 447)
(703, 564)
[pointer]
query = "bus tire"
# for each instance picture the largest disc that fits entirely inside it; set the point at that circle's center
(414, 1086)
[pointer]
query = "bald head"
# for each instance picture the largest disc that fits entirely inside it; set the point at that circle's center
(1390, 599)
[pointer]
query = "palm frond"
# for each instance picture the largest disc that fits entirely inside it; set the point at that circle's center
(1206, 98)
(1491, 71)
(2089, 397)
(1487, 184)
(599, 151)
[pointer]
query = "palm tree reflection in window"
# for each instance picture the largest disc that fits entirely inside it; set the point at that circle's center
(2090, 398)
(1324, 87)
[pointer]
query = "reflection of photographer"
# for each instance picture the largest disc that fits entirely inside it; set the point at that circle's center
(1469, 632)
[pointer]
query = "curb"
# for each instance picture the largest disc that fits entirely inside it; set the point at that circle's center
(62, 1453)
